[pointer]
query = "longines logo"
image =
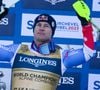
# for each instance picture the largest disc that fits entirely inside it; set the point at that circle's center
(53, 2)
(37, 62)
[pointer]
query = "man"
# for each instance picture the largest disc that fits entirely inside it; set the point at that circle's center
(38, 66)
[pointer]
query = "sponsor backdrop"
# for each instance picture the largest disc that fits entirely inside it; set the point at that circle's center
(16, 27)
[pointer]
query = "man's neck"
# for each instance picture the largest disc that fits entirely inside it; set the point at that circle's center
(38, 43)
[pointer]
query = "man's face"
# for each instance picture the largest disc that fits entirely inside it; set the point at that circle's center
(42, 32)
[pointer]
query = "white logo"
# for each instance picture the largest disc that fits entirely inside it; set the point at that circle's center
(37, 62)
(53, 2)
(67, 80)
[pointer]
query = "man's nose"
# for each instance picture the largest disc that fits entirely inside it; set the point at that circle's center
(41, 27)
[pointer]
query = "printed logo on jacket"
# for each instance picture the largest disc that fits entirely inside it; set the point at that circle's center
(39, 63)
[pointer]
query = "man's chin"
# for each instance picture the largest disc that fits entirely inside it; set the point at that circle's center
(43, 40)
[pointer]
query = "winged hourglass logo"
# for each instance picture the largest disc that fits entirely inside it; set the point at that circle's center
(53, 2)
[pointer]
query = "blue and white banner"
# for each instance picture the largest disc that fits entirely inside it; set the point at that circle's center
(96, 5)
(94, 82)
(67, 26)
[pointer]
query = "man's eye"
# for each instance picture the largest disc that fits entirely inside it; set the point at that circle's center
(46, 25)
(38, 25)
